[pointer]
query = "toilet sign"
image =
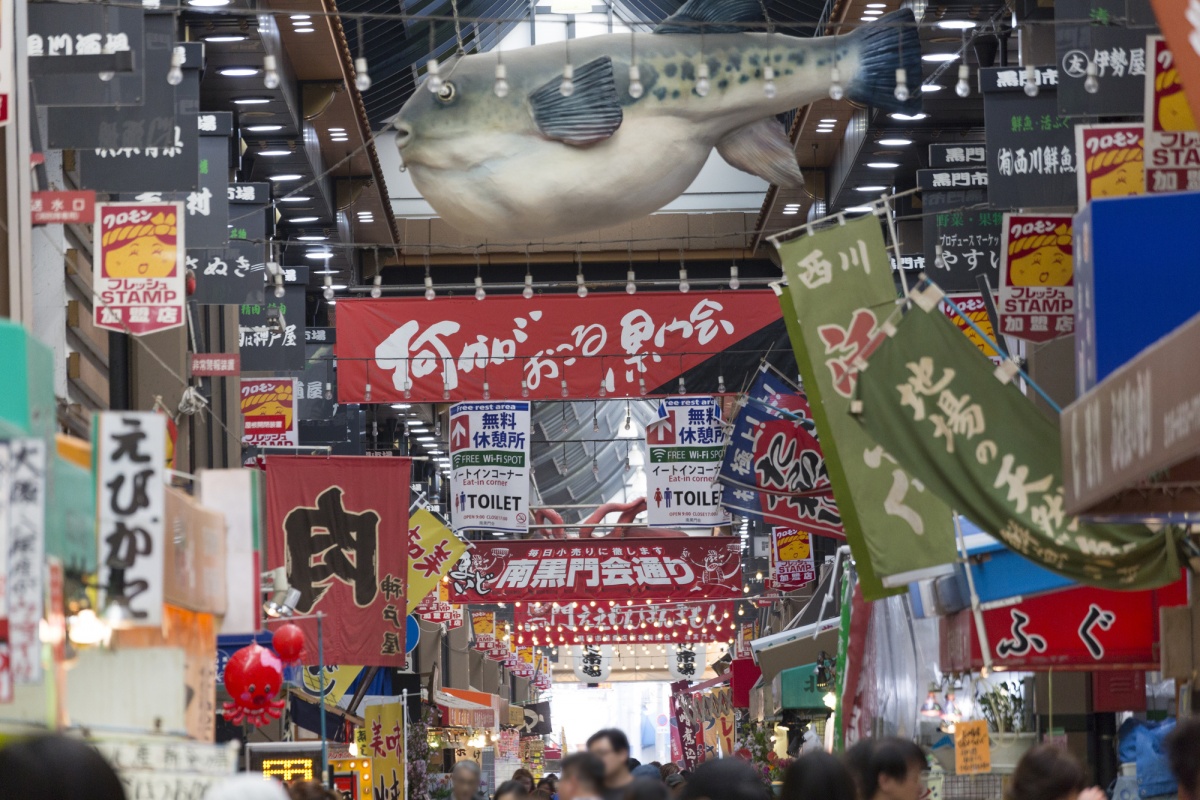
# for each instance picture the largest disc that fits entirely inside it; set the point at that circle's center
(489, 456)
(686, 445)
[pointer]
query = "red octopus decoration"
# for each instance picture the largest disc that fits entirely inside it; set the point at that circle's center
(253, 677)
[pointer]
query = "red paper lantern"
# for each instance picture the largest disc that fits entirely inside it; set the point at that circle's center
(253, 676)
(289, 642)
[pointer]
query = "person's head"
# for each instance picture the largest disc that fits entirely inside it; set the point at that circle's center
(1183, 752)
(525, 777)
(818, 775)
(647, 789)
(464, 780)
(512, 790)
(550, 782)
(311, 790)
(725, 779)
(1047, 773)
(57, 768)
(887, 768)
(633, 764)
(582, 776)
(646, 771)
(668, 769)
(675, 782)
(542, 793)
(246, 786)
(611, 746)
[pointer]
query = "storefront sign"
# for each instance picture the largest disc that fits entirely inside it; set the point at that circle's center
(215, 364)
(173, 166)
(985, 448)
(1180, 22)
(1172, 142)
(966, 154)
(63, 208)
(773, 469)
(130, 455)
(57, 30)
(969, 239)
(386, 747)
(24, 464)
(269, 412)
(685, 447)
(837, 284)
(437, 608)
(972, 748)
(338, 524)
(537, 719)
(1037, 284)
(1110, 159)
(746, 633)
(486, 640)
(271, 333)
(645, 569)
(1079, 629)
(489, 456)
(1031, 148)
(976, 310)
(413, 350)
(1138, 422)
(153, 767)
(139, 268)
(432, 551)
(687, 733)
(233, 273)
(1108, 35)
(619, 623)
(792, 563)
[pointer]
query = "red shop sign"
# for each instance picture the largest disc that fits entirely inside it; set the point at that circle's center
(1079, 629)
(412, 349)
(620, 623)
(63, 208)
(340, 526)
(683, 568)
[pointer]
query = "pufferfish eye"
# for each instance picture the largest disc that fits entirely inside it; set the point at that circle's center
(446, 93)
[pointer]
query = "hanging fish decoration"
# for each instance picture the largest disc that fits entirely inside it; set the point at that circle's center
(540, 147)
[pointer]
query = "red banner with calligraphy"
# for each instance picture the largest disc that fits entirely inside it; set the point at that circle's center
(679, 569)
(1079, 629)
(408, 349)
(620, 623)
(340, 527)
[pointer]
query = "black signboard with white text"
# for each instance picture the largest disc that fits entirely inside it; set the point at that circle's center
(1031, 149)
(234, 274)
(969, 234)
(962, 154)
(80, 29)
(174, 167)
(1111, 36)
(272, 333)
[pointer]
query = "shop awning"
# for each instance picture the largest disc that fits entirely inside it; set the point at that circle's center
(463, 699)
(805, 648)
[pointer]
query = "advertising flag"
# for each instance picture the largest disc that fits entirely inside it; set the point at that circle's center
(1172, 142)
(792, 563)
(339, 525)
(839, 282)
(685, 447)
(138, 254)
(773, 469)
(489, 456)
(981, 445)
(1111, 160)
(385, 746)
(432, 552)
(1037, 278)
(437, 608)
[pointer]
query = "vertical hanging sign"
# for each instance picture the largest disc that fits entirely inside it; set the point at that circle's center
(686, 446)
(130, 450)
(489, 454)
(1110, 159)
(1172, 142)
(1037, 280)
(792, 563)
(138, 254)
(269, 412)
(26, 479)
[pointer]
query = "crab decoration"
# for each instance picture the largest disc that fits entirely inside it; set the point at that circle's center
(253, 677)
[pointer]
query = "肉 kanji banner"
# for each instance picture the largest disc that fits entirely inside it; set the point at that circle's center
(683, 568)
(408, 349)
(773, 469)
(432, 551)
(582, 623)
(1081, 629)
(340, 527)
(839, 285)
(930, 399)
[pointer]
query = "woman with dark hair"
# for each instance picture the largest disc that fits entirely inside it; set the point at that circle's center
(526, 777)
(1050, 773)
(512, 790)
(887, 768)
(56, 768)
(818, 776)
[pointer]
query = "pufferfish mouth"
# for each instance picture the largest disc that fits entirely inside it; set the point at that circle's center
(403, 134)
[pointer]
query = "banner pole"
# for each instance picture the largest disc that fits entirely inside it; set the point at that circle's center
(984, 647)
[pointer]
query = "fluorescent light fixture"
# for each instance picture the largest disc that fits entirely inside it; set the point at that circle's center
(239, 72)
(326, 271)
(956, 24)
(251, 101)
(426, 438)
(337, 287)
(401, 405)
(331, 302)
(908, 117)
(296, 198)
(882, 164)
(337, 130)
(302, 220)
(868, 19)
(871, 188)
(285, 176)
(930, 88)
(319, 255)
(208, 3)
(312, 238)
(939, 58)
(262, 128)
(829, 120)
(858, 209)
(824, 130)
(791, 212)
(869, 15)
(303, 30)
(218, 38)
(894, 142)
(876, 5)
(301, 16)
(275, 152)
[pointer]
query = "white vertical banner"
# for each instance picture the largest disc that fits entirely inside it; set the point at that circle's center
(238, 494)
(489, 457)
(25, 588)
(686, 446)
(130, 450)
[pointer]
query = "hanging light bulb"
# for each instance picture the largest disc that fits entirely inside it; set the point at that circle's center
(684, 286)
(642, 386)
(270, 72)
(328, 391)
(682, 386)
(445, 391)
(565, 391)
(595, 468)
(901, 92)
(630, 285)
(734, 282)
(435, 82)
(720, 384)
(501, 87)
(1091, 84)
(636, 89)
(628, 416)
(527, 292)
(487, 392)
(963, 87)
(758, 575)
(567, 87)
(741, 611)
(582, 290)
(1031, 87)
(702, 83)
(327, 293)
(367, 393)
(836, 90)
(175, 73)
(938, 260)
(479, 292)
(524, 388)
(429, 292)
(106, 76)
(769, 90)
(408, 388)
(362, 78)
(376, 291)
(279, 290)
(627, 468)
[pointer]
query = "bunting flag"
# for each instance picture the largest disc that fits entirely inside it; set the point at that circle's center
(840, 279)
(978, 443)
(432, 552)
(773, 469)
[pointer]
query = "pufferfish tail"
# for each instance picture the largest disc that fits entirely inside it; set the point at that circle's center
(884, 46)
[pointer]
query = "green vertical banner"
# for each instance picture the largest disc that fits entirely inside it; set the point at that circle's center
(839, 289)
(934, 400)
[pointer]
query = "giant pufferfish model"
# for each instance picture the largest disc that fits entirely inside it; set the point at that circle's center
(535, 163)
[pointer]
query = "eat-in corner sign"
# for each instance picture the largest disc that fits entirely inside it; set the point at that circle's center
(489, 456)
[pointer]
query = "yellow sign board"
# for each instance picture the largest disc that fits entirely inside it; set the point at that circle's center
(972, 749)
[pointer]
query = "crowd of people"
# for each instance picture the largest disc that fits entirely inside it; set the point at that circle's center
(66, 768)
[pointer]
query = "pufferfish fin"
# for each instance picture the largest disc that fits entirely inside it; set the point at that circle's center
(762, 148)
(591, 114)
(697, 16)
